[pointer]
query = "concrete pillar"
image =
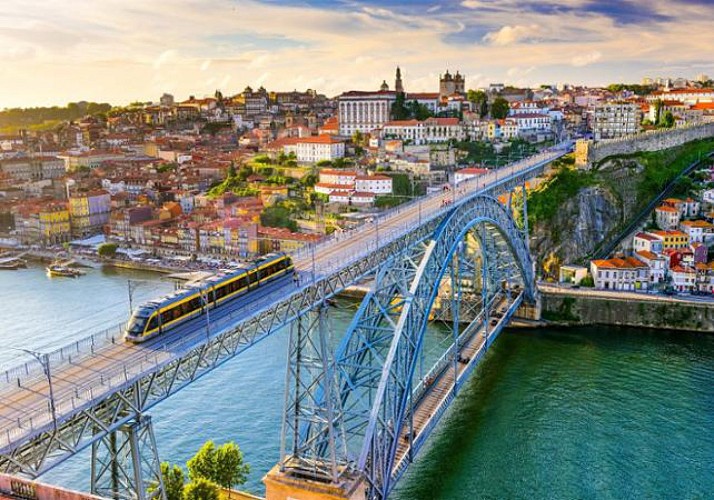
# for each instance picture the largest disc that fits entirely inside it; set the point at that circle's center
(288, 485)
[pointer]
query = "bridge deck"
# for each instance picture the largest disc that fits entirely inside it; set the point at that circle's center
(444, 384)
(98, 369)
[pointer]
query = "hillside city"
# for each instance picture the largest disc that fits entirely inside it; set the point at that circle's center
(205, 181)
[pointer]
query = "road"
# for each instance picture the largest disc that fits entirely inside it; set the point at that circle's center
(623, 295)
(86, 376)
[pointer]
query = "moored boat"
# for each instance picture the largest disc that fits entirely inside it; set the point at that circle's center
(60, 270)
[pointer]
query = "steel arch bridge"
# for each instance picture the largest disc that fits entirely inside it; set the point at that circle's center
(347, 405)
(363, 411)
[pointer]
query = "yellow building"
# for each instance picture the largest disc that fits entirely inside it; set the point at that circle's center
(672, 239)
(54, 223)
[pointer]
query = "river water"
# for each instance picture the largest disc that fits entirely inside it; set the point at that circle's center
(587, 413)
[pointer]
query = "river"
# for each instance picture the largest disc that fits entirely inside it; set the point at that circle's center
(587, 413)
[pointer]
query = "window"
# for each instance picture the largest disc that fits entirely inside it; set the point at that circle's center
(153, 323)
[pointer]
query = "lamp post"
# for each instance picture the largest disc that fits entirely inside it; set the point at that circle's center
(44, 361)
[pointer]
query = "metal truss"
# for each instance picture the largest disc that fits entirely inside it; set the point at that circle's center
(377, 362)
(125, 463)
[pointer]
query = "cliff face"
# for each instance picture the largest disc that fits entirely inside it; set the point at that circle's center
(594, 214)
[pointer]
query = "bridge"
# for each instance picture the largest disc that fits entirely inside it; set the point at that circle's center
(357, 413)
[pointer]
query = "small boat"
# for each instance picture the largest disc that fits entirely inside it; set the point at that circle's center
(61, 270)
(12, 264)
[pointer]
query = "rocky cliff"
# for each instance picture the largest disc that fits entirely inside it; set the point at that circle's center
(575, 211)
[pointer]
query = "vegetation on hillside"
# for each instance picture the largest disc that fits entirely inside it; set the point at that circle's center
(545, 202)
(32, 118)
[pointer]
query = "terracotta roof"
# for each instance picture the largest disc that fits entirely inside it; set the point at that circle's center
(646, 254)
(472, 171)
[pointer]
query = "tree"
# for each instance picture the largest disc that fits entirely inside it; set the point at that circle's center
(230, 468)
(499, 108)
(173, 478)
(232, 171)
(201, 489)
(203, 463)
(668, 120)
(108, 250)
(399, 108)
(480, 101)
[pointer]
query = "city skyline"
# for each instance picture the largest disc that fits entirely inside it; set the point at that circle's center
(112, 51)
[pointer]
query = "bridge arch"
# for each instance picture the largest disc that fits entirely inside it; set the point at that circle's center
(375, 364)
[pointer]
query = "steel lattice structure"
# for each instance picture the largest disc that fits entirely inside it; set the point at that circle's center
(70, 420)
(362, 404)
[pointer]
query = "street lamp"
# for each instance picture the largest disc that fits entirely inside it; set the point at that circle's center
(44, 361)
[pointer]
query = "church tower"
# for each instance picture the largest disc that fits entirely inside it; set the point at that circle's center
(398, 87)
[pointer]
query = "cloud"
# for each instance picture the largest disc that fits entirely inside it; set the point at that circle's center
(125, 50)
(509, 35)
(586, 59)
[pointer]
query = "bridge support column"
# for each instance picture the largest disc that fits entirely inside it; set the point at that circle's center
(283, 485)
(125, 463)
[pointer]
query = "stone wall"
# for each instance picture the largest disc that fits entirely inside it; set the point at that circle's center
(571, 308)
(589, 153)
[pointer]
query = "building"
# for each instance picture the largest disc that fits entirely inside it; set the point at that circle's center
(672, 239)
(33, 169)
(648, 242)
(375, 184)
(319, 148)
(360, 111)
(451, 84)
(657, 263)
(667, 217)
(699, 231)
(89, 212)
(626, 274)
(431, 130)
(572, 274)
(616, 119)
(683, 278)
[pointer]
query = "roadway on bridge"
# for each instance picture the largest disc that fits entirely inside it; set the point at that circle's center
(25, 405)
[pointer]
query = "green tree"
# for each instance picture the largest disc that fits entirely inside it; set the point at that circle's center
(231, 470)
(203, 463)
(107, 250)
(201, 489)
(480, 101)
(399, 108)
(173, 478)
(658, 111)
(232, 171)
(499, 108)
(668, 120)
(277, 217)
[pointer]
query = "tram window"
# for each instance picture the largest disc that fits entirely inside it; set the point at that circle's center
(243, 281)
(153, 323)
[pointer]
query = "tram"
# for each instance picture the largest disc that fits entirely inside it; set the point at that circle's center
(159, 315)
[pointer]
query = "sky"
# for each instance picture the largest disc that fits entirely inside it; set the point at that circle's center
(56, 51)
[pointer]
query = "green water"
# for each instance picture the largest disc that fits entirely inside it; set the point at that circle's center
(588, 413)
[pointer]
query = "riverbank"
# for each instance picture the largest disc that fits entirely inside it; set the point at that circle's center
(579, 307)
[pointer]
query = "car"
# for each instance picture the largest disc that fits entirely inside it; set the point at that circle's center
(494, 322)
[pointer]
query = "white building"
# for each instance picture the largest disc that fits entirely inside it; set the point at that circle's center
(627, 274)
(531, 122)
(647, 242)
(699, 231)
(683, 278)
(377, 184)
(318, 148)
(658, 265)
(667, 217)
(364, 111)
(616, 119)
(331, 176)
(431, 130)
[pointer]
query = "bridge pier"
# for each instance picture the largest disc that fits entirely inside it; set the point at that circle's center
(125, 463)
(287, 485)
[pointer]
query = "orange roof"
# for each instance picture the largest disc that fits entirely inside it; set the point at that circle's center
(620, 263)
(646, 254)
(343, 173)
(697, 223)
(665, 208)
(320, 139)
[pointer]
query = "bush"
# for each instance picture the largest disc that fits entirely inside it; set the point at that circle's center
(107, 250)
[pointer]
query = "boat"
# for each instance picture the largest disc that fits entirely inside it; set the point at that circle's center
(62, 270)
(12, 264)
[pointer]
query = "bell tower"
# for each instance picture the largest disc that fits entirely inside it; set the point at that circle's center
(398, 87)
